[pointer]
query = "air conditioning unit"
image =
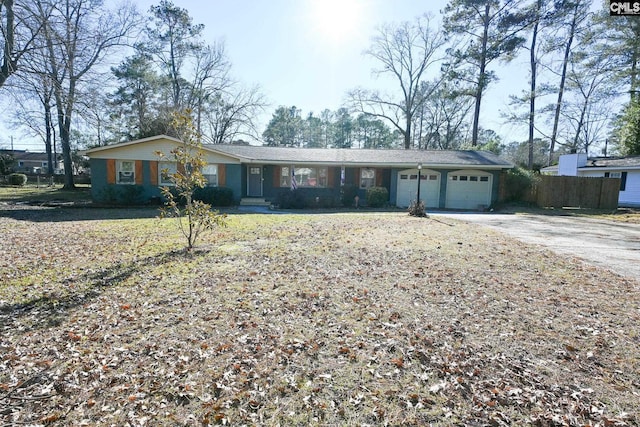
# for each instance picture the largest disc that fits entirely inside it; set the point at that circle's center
(125, 177)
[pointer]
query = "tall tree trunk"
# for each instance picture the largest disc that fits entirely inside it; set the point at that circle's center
(534, 72)
(420, 129)
(175, 75)
(8, 65)
(64, 120)
(64, 125)
(407, 133)
(481, 78)
(563, 77)
(47, 142)
(635, 56)
(576, 139)
(199, 115)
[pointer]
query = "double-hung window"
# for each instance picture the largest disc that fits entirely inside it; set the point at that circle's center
(166, 171)
(285, 176)
(126, 172)
(367, 177)
(210, 173)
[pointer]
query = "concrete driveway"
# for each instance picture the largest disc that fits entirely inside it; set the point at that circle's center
(608, 244)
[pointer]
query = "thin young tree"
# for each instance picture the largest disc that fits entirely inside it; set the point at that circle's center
(194, 216)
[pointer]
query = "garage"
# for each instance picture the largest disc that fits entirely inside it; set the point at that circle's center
(468, 189)
(408, 187)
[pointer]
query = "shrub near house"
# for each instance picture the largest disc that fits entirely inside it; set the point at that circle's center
(18, 179)
(377, 197)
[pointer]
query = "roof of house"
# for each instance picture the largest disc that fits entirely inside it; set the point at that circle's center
(616, 163)
(256, 154)
(26, 155)
(613, 162)
(346, 157)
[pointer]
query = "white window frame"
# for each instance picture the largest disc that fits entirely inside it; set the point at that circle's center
(306, 176)
(285, 176)
(164, 179)
(367, 177)
(126, 168)
(210, 173)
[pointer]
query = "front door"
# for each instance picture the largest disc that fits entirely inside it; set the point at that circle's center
(254, 182)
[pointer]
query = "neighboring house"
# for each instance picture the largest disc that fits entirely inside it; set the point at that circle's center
(28, 162)
(625, 168)
(449, 179)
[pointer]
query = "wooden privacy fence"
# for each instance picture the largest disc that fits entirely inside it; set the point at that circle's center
(578, 192)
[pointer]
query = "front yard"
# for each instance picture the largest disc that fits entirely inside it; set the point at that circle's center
(334, 319)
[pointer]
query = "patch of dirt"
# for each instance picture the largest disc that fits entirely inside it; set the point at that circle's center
(342, 319)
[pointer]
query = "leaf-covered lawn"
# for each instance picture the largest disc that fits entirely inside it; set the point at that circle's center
(343, 319)
(38, 194)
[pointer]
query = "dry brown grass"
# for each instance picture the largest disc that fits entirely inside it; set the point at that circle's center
(344, 319)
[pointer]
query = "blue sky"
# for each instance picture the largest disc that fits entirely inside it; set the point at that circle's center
(306, 53)
(309, 53)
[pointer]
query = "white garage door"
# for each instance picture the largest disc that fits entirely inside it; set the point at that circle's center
(408, 187)
(468, 189)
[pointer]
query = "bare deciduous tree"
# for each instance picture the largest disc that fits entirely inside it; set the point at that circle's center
(405, 53)
(230, 114)
(78, 35)
(18, 32)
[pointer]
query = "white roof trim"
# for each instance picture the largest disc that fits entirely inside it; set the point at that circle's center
(129, 143)
(154, 138)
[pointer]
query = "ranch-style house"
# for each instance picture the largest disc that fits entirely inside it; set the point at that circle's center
(462, 179)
